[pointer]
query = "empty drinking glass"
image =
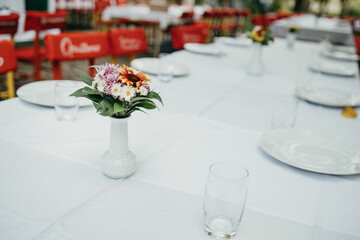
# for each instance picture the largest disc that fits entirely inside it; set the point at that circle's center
(284, 113)
(166, 68)
(66, 107)
(225, 197)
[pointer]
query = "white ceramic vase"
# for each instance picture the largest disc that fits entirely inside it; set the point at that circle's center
(118, 161)
(256, 66)
(290, 38)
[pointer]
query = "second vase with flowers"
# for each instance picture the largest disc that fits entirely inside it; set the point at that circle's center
(117, 92)
(261, 37)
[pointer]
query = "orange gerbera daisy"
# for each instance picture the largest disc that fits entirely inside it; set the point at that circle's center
(130, 78)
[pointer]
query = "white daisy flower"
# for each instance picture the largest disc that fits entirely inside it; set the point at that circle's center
(101, 84)
(127, 93)
(144, 90)
(116, 90)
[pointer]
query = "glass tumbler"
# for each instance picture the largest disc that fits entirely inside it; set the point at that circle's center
(166, 68)
(66, 107)
(284, 113)
(225, 197)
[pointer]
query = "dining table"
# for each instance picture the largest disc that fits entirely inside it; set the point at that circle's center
(314, 28)
(52, 186)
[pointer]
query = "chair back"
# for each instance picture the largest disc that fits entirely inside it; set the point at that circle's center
(40, 20)
(194, 33)
(125, 41)
(260, 20)
(8, 63)
(9, 23)
(8, 60)
(76, 46)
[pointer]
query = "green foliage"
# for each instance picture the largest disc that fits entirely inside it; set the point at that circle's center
(268, 37)
(108, 106)
(253, 5)
(276, 5)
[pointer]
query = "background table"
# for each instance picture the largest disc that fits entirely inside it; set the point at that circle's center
(316, 29)
(51, 185)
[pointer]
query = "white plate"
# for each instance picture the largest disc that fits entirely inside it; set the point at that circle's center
(334, 69)
(340, 55)
(308, 151)
(340, 48)
(151, 66)
(42, 93)
(236, 42)
(209, 49)
(329, 96)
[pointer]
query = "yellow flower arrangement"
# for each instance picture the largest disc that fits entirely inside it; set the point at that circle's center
(261, 35)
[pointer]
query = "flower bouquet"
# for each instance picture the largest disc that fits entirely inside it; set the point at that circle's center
(293, 29)
(260, 36)
(118, 92)
(291, 36)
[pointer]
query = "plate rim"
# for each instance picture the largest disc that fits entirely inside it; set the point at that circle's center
(330, 54)
(289, 163)
(317, 68)
(201, 52)
(186, 68)
(304, 97)
(20, 89)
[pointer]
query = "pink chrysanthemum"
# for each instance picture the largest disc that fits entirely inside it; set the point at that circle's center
(110, 74)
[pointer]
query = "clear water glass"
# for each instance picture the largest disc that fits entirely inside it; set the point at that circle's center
(284, 113)
(66, 107)
(166, 68)
(225, 198)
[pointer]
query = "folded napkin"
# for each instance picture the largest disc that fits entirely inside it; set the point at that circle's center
(349, 112)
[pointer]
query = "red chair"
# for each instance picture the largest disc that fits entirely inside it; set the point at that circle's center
(127, 41)
(36, 20)
(260, 20)
(8, 63)
(75, 46)
(195, 33)
(357, 43)
(228, 23)
(242, 16)
(9, 24)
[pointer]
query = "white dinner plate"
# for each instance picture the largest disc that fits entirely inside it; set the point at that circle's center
(334, 69)
(236, 42)
(340, 48)
(151, 66)
(209, 49)
(43, 92)
(329, 96)
(340, 55)
(312, 152)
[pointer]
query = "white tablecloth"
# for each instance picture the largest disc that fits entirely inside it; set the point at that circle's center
(51, 185)
(316, 29)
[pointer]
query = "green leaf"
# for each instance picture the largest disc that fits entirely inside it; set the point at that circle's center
(138, 99)
(105, 108)
(156, 96)
(118, 107)
(85, 78)
(137, 109)
(147, 105)
(136, 103)
(87, 90)
(78, 93)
